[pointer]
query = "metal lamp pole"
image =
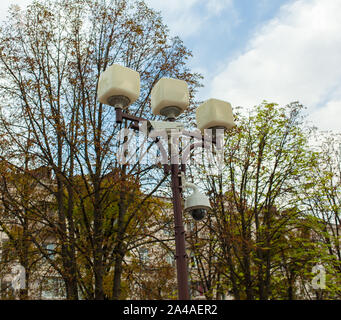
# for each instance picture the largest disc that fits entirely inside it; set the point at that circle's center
(119, 87)
(180, 243)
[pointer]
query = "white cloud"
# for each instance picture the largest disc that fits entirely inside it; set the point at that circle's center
(328, 117)
(216, 6)
(182, 16)
(4, 5)
(174, 5)
(295, 56)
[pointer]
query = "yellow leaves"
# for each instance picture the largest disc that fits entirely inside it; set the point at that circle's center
(47, 14)
(108, 280)
(30, 61)
(27, 83)
(14, 59)
(138, 30)
(133, 27)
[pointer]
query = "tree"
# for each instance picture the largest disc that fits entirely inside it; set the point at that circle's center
(51, 56)
(23, 204)
(149, 271)
(320, 195)
(205, 268)
(254, 197)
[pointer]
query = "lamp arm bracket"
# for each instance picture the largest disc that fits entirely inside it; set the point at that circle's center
(191, 186)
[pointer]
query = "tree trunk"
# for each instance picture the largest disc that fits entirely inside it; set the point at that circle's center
(116, 292)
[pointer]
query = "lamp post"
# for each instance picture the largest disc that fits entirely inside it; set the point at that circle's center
(120, 87)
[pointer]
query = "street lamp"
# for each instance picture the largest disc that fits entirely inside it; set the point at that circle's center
(169, 98)
(119, 87)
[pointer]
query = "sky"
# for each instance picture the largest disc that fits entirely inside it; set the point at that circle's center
(254, 50)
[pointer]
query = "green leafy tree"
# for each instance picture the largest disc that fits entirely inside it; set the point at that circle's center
(254, 198)
(321, 195)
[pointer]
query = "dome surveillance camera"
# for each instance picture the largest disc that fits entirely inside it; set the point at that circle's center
(197, 204)
(198, 214)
